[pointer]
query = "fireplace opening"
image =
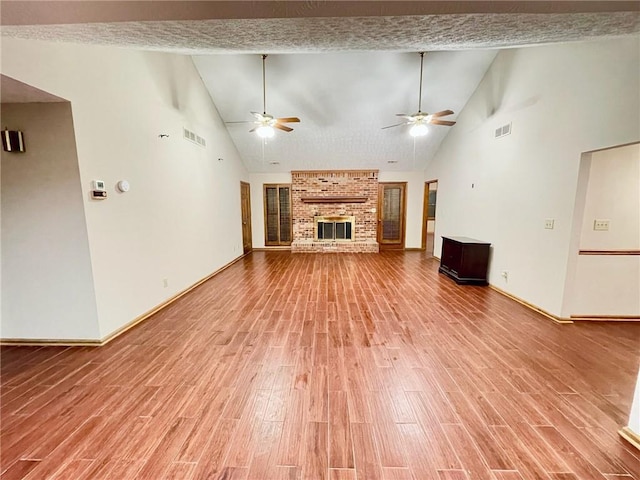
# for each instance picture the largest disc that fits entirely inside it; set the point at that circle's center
(334, 228)
(334, 231)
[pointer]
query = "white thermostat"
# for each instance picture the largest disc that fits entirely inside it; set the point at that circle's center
(98, 192)
(123, 186)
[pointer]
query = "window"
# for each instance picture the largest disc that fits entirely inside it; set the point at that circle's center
(277, 215)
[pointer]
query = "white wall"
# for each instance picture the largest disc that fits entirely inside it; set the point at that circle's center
(634, 416)
(181, 220)
(562, 100)
(257, 181)
(415, 198)
(48, 292)
(613, 193)
(606, 284)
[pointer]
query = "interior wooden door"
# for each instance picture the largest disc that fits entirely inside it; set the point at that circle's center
(245, 199)
(391, 214)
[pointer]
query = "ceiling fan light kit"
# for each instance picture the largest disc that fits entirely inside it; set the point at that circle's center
(420, 119)
(265, 131)
(418, 130)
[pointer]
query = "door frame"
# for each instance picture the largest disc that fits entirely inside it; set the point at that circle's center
(425, 213)
(246, 232)
(403, 216)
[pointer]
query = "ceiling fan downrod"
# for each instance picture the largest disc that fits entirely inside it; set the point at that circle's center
(420, 91)
(264, 86)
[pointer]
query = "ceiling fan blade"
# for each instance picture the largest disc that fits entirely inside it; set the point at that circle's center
(443, 113)
(242, 121)
(258, 115)
(287, 120)
(396, 125)
(282, 127)
(253, 129)
(435, 121)
(404, 115)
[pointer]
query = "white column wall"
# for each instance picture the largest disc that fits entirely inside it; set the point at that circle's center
(48, 293)
(181, 220)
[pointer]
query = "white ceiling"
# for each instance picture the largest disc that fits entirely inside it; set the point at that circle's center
(344, 68)
(343, 101)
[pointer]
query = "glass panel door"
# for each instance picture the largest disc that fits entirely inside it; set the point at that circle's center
(271, 215)
(277, 215)
(284, 194)
(391, 200)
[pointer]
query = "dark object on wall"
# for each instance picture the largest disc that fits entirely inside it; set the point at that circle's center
(465, 260)
(98, 194)
(12, 141)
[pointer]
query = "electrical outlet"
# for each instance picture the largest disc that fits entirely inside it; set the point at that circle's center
(505, 275)
(165, 282)
(601, 225)
(548, 223)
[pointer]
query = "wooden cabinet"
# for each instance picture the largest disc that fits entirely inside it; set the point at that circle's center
(465, 260)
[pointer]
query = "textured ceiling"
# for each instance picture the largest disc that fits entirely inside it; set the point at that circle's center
(48, 12)
(307, 35)
(344, 76)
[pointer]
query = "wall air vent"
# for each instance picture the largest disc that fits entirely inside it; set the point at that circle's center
(503, 130)
(192, 137)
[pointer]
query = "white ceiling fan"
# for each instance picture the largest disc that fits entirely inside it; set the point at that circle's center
(264, 122)
(420, 119)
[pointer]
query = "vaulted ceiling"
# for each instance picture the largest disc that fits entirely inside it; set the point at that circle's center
(345, 68)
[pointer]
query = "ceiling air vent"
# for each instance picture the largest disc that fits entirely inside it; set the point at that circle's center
(192, 137)
(503, 130)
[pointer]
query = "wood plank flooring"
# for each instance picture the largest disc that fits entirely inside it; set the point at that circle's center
(335, 366)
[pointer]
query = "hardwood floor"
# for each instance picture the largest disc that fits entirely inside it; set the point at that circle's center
(335, 366)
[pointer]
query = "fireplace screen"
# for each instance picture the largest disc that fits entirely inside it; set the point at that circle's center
(334, 228)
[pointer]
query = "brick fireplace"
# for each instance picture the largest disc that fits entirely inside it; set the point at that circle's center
(334, 194)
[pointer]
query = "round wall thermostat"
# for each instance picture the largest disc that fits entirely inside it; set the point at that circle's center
(123, 186)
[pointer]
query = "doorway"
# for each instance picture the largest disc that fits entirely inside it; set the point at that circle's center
(603, 272)
(245, 201)
(391, 215)
(429, 216)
